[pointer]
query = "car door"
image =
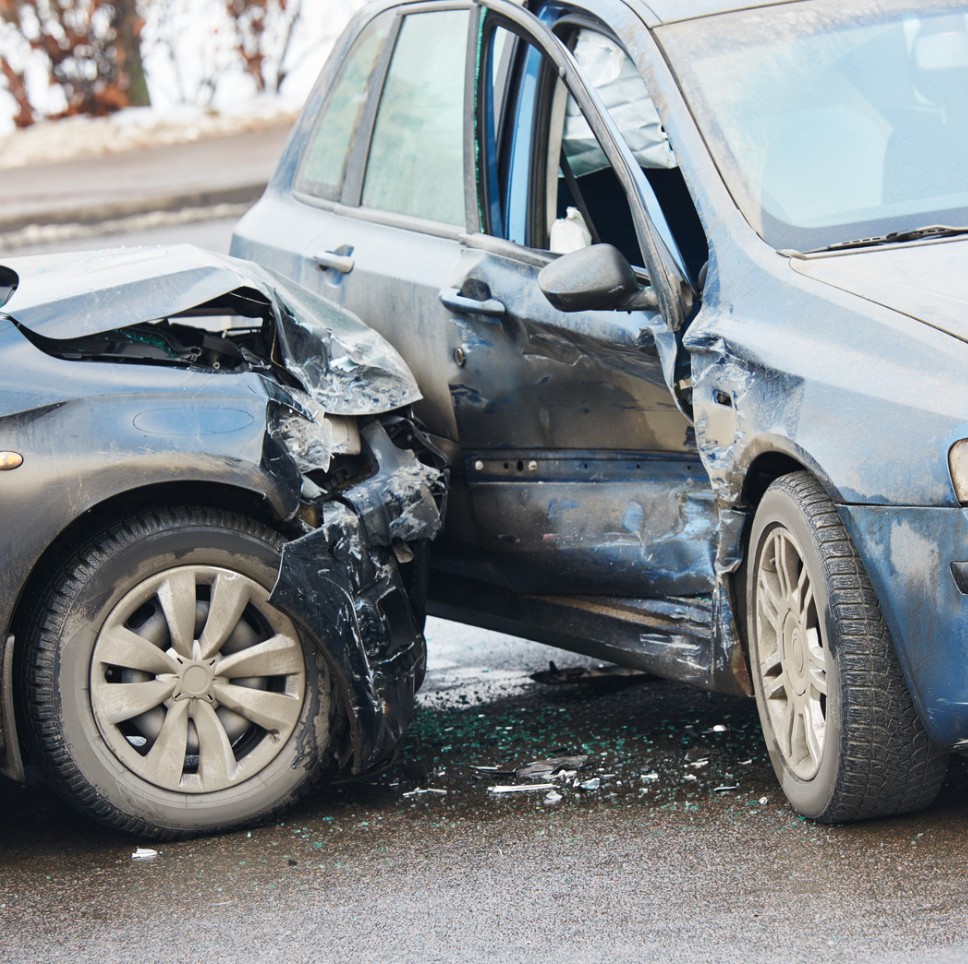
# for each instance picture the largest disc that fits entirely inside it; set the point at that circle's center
(582, 470)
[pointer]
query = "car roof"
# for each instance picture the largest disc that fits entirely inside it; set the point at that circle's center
(655, 12)
(652, 12)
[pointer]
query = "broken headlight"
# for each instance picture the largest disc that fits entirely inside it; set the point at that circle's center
(310, 435)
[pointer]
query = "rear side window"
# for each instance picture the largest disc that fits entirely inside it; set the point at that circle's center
(323, 166)
(416, 162)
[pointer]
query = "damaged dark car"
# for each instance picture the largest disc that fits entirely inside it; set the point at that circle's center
(215, 515)
(683, 287)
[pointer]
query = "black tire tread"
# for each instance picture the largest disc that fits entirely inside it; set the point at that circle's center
(889, 765)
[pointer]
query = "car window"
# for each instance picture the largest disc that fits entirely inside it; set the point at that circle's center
(532, 193)
(416, 161)
(546, 181)
(323, 165)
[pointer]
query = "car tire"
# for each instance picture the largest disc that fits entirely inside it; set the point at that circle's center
(164, 695)
(841, 729)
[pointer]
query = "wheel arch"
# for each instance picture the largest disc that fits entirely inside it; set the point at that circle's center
(764, 469)
(207, 494)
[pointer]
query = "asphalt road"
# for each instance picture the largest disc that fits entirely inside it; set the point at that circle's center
(678, 847)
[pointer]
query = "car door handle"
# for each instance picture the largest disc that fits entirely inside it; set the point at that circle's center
(342, 263)
(489, 307)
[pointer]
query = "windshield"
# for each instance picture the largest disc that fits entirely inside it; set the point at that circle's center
(833, 120)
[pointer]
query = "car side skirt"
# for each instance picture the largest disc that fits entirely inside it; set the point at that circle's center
(672, 637)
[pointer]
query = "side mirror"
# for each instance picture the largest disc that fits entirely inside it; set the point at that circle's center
(598, 278)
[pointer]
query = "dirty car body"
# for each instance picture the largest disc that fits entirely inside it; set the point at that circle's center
(198, 442)
(682, 285)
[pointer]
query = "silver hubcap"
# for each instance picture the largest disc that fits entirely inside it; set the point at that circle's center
(196, 681)
(792, 656)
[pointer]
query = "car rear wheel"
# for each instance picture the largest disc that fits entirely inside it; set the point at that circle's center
(164, 694)
(840, 726)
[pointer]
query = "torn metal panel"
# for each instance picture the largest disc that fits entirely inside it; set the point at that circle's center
(401, 502)
(353, 603)
(347, 367)
(341, 582)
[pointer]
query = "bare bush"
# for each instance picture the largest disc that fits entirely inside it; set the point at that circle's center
(90, 49)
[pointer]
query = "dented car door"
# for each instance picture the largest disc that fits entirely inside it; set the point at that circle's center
(583, 472)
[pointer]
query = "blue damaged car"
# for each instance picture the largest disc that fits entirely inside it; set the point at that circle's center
(685, 288)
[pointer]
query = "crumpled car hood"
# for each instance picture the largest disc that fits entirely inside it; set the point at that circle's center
(927, 281)
(346, 366)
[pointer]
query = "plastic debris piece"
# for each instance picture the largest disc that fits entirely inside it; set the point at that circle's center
(495, 771)
(745, 763)
(725, 789)
(690, 777)
(698, 764)
(553, 798)
(420, 791)
(650, 777)
(720, 728)
(592, 784)
(556, 766)
(590, 675)
(522, 788)
(144, 853)
(764, 801)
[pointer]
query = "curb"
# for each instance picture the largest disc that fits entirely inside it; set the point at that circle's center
(93, 214)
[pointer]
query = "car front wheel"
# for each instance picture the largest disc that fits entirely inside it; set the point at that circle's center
(840, 726)
(164, 695)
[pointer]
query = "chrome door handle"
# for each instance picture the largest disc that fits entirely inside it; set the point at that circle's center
(342, 263)
(490, 307)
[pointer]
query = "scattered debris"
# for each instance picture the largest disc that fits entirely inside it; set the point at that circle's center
(698, 764)
(420, 791)
(590, 675)
(521, 788)
(592, 784)
(144, 853)
(725, 789)
(696, 754)
(746, 763)
(554, 797)
(650, 777)
(719, 728)
(563, 767)
(764, 801)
